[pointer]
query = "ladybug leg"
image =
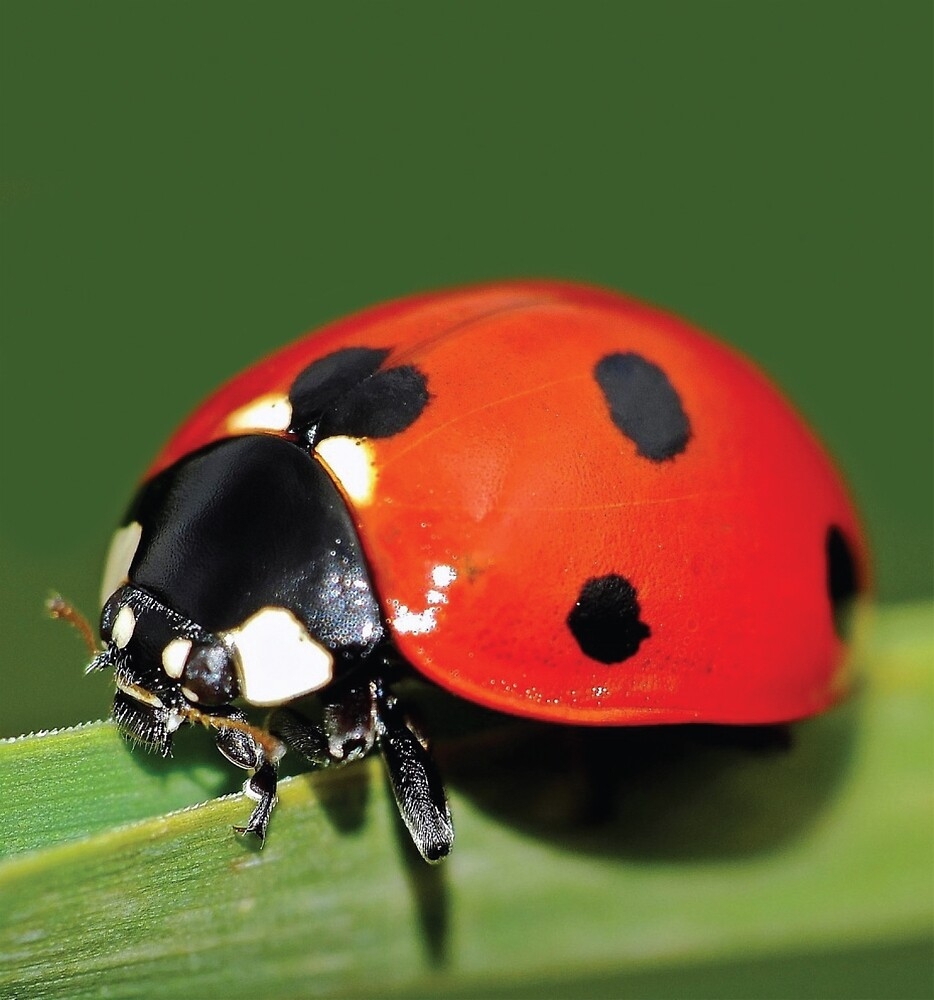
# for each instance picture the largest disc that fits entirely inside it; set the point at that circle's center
(347, 730)
(261, 787)
(354, 719)
(241, 749)
(415, 780)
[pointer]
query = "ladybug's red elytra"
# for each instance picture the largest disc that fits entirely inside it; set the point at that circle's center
(548, 499)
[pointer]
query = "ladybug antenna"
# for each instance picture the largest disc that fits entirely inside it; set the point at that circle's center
(273, 747)
(58, 607)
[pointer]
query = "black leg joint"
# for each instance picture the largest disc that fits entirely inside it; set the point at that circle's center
(237, 746)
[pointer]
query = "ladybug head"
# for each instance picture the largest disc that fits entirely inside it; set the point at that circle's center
(153, 647)
(169, 669)
(164, 665)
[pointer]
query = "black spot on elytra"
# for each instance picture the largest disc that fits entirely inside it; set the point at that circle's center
(327, 379)
(605, 619)
(644, 405)
(842, 579)
(347, 393)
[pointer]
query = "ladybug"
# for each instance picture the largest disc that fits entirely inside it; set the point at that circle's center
(548, 499)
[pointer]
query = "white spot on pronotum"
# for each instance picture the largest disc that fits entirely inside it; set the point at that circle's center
(174, 657)
(352, 464)
(123, 547)
(189, 694)
(124, 624)
(277, 660)
(268, 413)
(407, 621)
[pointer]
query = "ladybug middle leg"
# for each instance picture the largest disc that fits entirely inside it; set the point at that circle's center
(357, 717)
(416, 783)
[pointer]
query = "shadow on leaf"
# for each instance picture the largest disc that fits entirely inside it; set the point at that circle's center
(665, 792)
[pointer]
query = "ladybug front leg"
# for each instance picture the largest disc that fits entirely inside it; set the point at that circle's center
(241, 749)
(262, 789)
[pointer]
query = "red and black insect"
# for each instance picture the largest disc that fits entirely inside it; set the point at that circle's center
(548, 499)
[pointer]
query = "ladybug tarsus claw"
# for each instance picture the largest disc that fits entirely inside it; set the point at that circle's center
(248, 829)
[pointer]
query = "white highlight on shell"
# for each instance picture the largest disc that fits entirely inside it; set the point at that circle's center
(123, 547)
(443, 576)
(406, 621)
(174, 657)
(352, 463)
(277, 660)
(267, 413)
(123, 627)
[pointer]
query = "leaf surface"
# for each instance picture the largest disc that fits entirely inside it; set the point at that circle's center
(585, 859)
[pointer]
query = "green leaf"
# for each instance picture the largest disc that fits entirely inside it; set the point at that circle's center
(588, 862)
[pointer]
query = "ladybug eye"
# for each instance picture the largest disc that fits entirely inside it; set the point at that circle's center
(209, 677)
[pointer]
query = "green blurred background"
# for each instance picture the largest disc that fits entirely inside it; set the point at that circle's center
(186, 186)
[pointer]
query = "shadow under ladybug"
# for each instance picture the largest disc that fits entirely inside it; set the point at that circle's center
(674, 793)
